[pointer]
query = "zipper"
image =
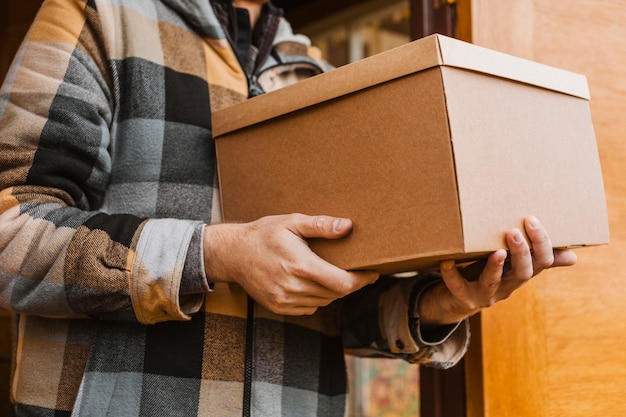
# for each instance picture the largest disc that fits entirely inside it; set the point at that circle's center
(232, 44)
(254, 89)
(249, 343)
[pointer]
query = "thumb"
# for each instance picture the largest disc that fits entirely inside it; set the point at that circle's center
(321, 226)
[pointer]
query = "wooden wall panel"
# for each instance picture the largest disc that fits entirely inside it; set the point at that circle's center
(556, 348)
(503, 25)
(590, 371)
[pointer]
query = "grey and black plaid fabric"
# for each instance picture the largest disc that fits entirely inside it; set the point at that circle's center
(107, 178)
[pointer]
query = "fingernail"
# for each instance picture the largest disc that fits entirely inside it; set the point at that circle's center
(447, 265)
(533, 223)
(340, 225)
(517, 236)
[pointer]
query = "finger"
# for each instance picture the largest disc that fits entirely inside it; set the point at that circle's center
(521, 257)
(297, 311)
(543, 254)
(296, 305)
(294, 290)
(352, 281)
(455, 282)
(292, 296)
(299, 289)
(318, 270)
(319, 226)
(564, 257)
(491, 276)
(329, 276)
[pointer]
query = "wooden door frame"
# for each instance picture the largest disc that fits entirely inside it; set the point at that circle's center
(433, 16)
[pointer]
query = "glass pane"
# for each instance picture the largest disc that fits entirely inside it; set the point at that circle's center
(382, 388)
(334, 45)
(380, 31)
(362, 32)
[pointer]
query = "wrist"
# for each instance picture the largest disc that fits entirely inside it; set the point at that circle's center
(416, 299)
(215, 244)
(433, 307)
(424, 307)
(425, 312)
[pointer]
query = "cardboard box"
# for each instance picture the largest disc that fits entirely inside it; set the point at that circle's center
(434, 149)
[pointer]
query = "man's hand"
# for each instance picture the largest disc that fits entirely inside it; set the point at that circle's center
(465, 292)
(272, 261)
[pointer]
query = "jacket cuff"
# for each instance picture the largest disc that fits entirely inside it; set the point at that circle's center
(441, 346)
(157, 271)
(427, 335)
(194, 284)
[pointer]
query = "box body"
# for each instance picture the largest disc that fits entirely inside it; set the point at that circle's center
(434, 149)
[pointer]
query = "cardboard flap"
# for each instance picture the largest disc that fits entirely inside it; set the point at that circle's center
(434, 50)
(388, 65)
(455, 53)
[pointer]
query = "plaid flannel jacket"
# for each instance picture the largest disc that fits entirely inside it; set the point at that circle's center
(107, 178)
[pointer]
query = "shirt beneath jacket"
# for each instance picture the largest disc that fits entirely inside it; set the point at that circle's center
(107, 179)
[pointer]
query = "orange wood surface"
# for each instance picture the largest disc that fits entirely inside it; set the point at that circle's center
(556, 348)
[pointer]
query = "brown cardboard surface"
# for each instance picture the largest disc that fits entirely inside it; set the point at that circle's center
(524, 150)
(434, 50)
(432, 162)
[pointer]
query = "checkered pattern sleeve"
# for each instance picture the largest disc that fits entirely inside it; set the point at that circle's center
(76, 238)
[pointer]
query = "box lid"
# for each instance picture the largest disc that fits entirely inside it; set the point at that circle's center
(431, 51)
